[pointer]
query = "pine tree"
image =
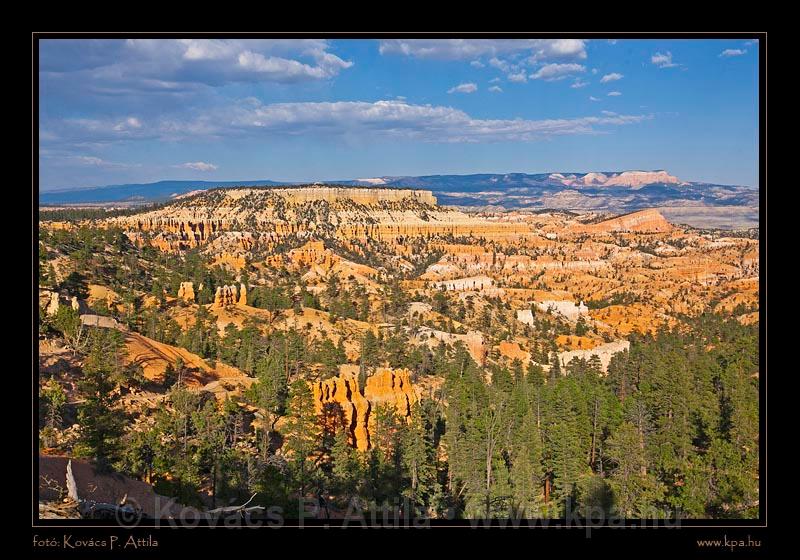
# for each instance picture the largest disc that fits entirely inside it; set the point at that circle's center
(517, 371)
(68, 322)
(526, 466)
(418, 459)
(347, 470)
(54, 399)
(209, 427)
(101, 421)
(555, 367)
(76, 285)
(535, 374)
(565, 459)
(302, 436)
(269, 393)
(636, 492)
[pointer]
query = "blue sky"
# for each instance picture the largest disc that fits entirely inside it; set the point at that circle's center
(120, 111)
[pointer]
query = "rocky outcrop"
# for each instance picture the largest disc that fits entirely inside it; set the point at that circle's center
(473, 340)
(604, 352)
(341, 395)
(512, 351)
(156, 357)
(526, 316)
(238, 218)
(101, 321)
(566, 309)
(242, 294)
(191, 231)
(645, 221)
(392, 386)
(225, 296)
(313, 252)
(52, 305)
(186, 291)
(471, 283)
(365, 196)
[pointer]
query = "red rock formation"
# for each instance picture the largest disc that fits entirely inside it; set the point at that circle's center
(343, 390)
(385, 386)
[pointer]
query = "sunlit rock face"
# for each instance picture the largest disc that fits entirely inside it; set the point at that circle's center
(186, 291)
(644, 221)
(341, 395)
(243, 217)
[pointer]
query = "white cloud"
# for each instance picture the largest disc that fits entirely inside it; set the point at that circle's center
(613, 77)
(394, 118)
(561, 48)
(578, 83)
(518, 77)
(464, 88)
(128, 126)
(500, 64)
(609, 113)
(468, 49)
(93, 161)
(593, 98)
(614, 93)
(594, 70)
(552, 72)
(732, 52)
(663, 60)
(390, 119)
(494, 80)
(279, 69)
(89, 160)
(496, 89)
(198, 166)
(477, 64)
(612, 41)
(172, 66)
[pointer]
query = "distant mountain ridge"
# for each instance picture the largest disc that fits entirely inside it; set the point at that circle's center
(615, 191)
(140, 192)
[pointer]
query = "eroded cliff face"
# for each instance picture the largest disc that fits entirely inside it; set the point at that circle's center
(645, 221)
(391, 386)
(240, 218)
(341, 395)
(367, 197)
